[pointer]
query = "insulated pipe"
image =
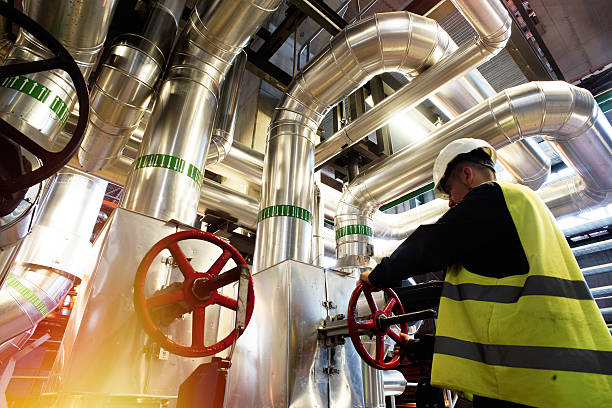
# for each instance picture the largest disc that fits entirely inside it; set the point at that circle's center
(524, 160)
(124, 85)
(11, 347)
(53, 256)
(492, 24)
(225, 117)
(563, 198)
(397, 41)
(567, 116)
(39, 104)
(167, 176)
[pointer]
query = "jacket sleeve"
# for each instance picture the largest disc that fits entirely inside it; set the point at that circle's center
(462, 235)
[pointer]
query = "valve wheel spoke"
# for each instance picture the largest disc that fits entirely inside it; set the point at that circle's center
(395, 336)
(380, 349)
(225, 301)
(164, 299)
(220, 262)
(389, 307)
(181, 260)
(371, 301)
(197, 327)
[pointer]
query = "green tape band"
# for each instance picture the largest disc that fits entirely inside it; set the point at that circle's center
(353, 230)
(166, 161)
(39, 92)
(284, 210)
(28, 294)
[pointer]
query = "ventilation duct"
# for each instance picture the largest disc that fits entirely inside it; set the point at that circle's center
(125, 84)
(167, 176)
(53, 256)
(565, 115)
(399, 41)
(385, 42)
(492, 24)
(524, 160)
(225, 117)
(39, 104)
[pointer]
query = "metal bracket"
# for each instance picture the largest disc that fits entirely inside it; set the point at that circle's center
(328, 304)
(330, 371)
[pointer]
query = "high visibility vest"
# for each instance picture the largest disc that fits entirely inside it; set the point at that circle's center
(536, 339)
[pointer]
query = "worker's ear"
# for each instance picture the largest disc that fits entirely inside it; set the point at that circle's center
(467, 175)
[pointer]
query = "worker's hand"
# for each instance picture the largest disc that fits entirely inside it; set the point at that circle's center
(364, 278)
(396, 350)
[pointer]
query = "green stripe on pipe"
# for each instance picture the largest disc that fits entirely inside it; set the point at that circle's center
(28, 294)
(39, 92)
(353, 230)
(408, 196)
(606, 106)
(284, 210)
(604, 96)
(166, 161)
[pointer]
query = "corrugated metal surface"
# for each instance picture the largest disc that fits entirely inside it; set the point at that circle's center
(501, 71)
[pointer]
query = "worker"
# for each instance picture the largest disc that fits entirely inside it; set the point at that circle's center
(517, 323)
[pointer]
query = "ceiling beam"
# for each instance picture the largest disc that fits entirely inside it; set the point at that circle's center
(322, 14)
(285, 29)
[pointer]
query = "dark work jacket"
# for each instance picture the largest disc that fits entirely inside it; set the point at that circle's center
(478, 233)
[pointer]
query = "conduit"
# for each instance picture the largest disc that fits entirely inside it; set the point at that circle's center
(39, 104)
(225, 118)
(167, 176)
(53, 256)
(125, 85)
(492, 24)
(566, 116)
(398, 41)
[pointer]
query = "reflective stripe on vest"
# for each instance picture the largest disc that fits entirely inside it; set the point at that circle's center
(537, 338)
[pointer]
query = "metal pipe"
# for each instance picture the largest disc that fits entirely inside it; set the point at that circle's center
(524, 160)
(565, 115)
(225, 117)
(125, 84)
(10, 347)
(5, 42)
(213, 196)
(243, 162)
(563, 198)
(39, 104)
(167, 175)
(492, 24)
(317, 219)
(397, 41)
(394, 383)
(54, 256)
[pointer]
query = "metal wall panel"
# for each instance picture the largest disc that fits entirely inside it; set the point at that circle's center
(278, 360)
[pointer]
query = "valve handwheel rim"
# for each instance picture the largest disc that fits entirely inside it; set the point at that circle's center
(371, 324)
(143, 304)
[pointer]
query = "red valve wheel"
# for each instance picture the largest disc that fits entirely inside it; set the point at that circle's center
(355, 326)
(186, 294)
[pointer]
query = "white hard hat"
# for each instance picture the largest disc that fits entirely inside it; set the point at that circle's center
(450, 152)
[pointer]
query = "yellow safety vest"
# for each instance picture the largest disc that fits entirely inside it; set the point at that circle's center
(536, 339)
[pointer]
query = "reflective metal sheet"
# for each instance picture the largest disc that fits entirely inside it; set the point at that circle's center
(277, 362)
(345, 388)
(111, 355)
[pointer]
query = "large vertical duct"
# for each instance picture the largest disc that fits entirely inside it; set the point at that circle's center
(53, 256)
(39, 104)
(565, 115)
(167, 175)
(399, 41)
(125, 84)
(225, 117)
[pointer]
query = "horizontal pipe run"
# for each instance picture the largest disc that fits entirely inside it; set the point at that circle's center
(566, 115)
